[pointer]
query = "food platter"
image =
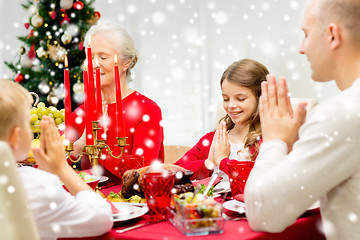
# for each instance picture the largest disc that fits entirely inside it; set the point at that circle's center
(235, 206)
(127, 212)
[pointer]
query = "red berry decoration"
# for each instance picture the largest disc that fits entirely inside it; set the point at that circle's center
(78, 5)
(19, 77)
(97, 15)
(81, 46)
(53, 15)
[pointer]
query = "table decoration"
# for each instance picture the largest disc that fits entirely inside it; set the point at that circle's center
(198, 215)
(238, 174)
(120, 124)
(158, 187)
(91, 84)
(67, 101)
(99, 107)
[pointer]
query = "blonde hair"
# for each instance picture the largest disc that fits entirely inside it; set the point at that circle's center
(120, 39)
(247, 73)
(15, 101)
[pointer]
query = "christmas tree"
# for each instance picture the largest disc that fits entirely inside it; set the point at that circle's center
(56, 29)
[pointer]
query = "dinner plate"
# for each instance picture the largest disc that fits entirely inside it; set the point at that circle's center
(103, 179)
(235, 206)
(132, 204)
(127, 212)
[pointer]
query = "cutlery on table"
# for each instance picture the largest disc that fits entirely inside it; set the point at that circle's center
(212, 180)
(132, 227)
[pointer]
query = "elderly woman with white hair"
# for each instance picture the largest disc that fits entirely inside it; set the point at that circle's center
(142, 116)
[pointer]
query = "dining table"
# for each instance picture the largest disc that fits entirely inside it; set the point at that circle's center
(308, 226)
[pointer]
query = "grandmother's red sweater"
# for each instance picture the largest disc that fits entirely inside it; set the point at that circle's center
(143, 130)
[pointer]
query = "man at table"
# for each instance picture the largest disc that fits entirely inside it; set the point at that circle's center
(324, 163)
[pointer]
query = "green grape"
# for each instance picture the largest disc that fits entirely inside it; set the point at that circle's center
(42, 112)
(52, 109)
(57, 114)
(33, 110)
(41, 105)
(58, 121)
(62, 114)
(51, 115)
(34, 117)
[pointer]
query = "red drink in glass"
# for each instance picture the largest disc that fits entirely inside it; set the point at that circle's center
(157, 189)
(238, 173)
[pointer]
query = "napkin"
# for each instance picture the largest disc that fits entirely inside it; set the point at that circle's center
(113, 208)
(239, 197)
(205, 181)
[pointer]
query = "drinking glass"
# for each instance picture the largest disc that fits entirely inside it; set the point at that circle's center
(238, 174)
(157, 189)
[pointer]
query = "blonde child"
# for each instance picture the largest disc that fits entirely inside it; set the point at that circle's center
(57, 213)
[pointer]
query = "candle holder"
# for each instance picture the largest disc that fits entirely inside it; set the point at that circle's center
(94, 152)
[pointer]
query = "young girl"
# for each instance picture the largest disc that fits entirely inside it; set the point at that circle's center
(238, 136)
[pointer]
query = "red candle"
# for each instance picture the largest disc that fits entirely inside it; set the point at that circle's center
(91, 83)
(68, 120)
(88, 106)
(120, 125)
(99, 109)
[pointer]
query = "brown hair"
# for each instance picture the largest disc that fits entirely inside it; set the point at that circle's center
(15, 101)
(247, 73)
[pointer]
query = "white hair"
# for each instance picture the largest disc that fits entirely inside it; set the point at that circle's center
(121, 40)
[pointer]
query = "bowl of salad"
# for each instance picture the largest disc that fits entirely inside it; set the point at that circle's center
(196, 214)
(91, 180)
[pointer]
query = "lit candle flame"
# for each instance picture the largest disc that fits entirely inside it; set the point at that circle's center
(89, 42)
(115, 59)
(66, 62)
(96, 63)
(85, 64)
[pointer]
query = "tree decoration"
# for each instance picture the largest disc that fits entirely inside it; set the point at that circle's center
(22, 50)
(37, 21)
(19, 77)
(41, 52)
(56, 53)
(78, 87)
(47, 41)
(31, 53)
(78, 5)
(66, 38)
(66, 4)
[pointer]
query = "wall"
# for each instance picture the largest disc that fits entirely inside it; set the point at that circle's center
(185, 45)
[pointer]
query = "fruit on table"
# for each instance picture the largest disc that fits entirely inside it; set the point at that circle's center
(41, 110)
(34, 144)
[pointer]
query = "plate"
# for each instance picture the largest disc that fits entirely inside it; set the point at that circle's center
(235, 206)
(103, 179)
(131, 204)
(128, 212)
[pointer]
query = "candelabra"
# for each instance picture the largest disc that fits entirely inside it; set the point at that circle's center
(95, 151)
